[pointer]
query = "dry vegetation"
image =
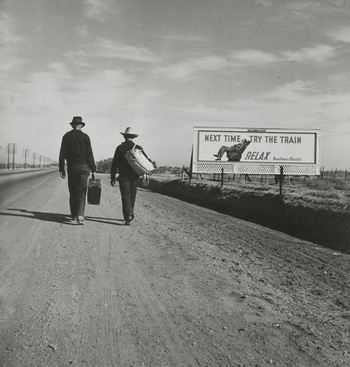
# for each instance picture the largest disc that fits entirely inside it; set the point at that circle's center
(330, 194)
(327, 193)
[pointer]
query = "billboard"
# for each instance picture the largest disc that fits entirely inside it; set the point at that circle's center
(249, 150)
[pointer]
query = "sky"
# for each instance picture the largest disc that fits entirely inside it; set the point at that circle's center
(165, 66)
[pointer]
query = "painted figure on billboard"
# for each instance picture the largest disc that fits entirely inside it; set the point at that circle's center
(234, 153)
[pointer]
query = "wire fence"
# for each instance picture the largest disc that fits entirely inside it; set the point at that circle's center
(334, 174)
(325, 175)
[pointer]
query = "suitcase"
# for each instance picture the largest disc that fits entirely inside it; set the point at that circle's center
(138, 161)
(94, 191)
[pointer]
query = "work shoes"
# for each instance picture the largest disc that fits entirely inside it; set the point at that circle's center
(71, 219)
(127, 221)
(81, 220)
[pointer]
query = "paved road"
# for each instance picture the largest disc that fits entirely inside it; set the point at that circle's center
(182, 286)
(15, 184)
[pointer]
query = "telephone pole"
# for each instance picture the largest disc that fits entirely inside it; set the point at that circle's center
(26, 153)
(8, 155)
(13, 155)
(11, 149)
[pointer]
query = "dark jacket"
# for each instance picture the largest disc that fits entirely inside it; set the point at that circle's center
(120, 164)
(76, 150)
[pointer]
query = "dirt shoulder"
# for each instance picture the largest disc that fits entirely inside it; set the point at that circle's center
(320, 216)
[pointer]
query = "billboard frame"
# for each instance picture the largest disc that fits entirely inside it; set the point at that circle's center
(259, 168)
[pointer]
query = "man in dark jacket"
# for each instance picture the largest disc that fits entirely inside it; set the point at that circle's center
(127, 176)
(76, 150)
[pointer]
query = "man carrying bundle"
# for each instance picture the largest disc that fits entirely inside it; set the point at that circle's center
(127, 176)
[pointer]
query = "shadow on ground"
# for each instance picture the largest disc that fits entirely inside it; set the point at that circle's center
(55, 217)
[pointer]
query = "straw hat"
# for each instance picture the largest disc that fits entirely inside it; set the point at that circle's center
(129, 133)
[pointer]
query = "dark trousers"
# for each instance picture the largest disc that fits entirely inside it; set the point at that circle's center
(128, 194)
(77, 185)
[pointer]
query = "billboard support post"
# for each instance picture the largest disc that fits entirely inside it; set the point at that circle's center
(191, 167)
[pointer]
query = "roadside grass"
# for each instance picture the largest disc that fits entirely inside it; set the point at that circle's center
(328, 194)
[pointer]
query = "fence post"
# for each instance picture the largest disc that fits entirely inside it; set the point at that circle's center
(222, 176)
(281, 179)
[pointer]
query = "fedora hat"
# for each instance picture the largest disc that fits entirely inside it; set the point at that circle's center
(77, 120)
(128, 132)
